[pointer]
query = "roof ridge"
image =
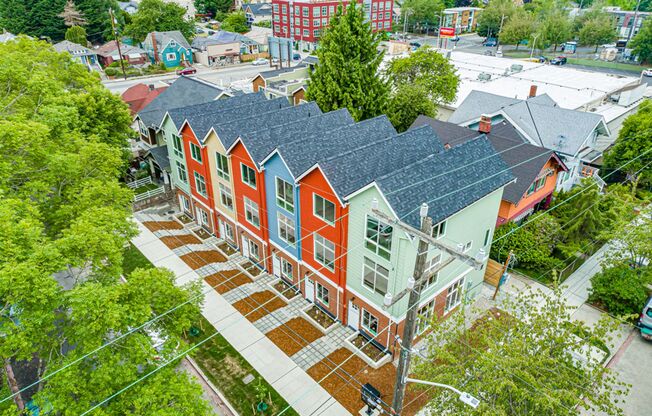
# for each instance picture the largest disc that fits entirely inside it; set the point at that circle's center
(356, 124)
(275, 110)
(330, 113)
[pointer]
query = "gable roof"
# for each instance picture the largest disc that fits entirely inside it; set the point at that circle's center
(72, 48)
(163, 38)
(160, 156)
(111, 47)
(258, 9)
(477, 103)
(140, 95)
(267, 75)
(220, 37)
(524, 159)
(179, 115)
(182, 92)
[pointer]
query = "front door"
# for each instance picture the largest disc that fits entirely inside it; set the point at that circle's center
(310, 290)
(354, 316)
(198, 215)
(220, 224)
(245, 247)
(276, 266)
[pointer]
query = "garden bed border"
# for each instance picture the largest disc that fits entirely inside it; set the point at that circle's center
(273, 289)
(304, 314)
(348, 343)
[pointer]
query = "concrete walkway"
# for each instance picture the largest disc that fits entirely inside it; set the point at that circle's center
(280, 371)
(578, 284)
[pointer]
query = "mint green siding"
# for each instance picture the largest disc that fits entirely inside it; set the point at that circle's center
(168, 131)
(470, 224)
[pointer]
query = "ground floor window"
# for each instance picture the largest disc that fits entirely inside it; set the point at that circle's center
(228, 231)
(287, 270)
(185, 203)
(322, 294)
(424, 315)
(254, 251)
(454, 295)
(203, 217)
(369, 322)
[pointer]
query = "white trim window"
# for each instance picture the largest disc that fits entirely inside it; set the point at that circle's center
(254, 250)
(287, 270)
(195, 153)
(228, 231)
(251, 212)
(284, 195)
(378, 237)
(323, 209)
(200, 184)
(324, 252)
(222, 166)
(467, 246)
(177, 146)
(143, 129)
(439, 230)
(431, 265)
(424, 316)
(185, 203)
(286, 229)
(369, 322)
(374, 276)
(171, 56)
(248, 175)
(181, 172)
(453, 295)
(226, 197)
(322, 294)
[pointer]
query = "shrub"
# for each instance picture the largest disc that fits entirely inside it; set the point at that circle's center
(621, 289)
(111, 72)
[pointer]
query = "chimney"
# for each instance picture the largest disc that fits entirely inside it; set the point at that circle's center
(533, 91)
(154, 46)
(447, 146)
(485, 124)
(151, 87)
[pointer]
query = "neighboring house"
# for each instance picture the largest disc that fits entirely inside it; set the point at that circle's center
(79, 53)
(285, 82)
(462, 19)
(536, 169)
(129, 7)
(257, 12)
(574, 135)
(132, 55)
(184, 91)
(223, 47)
(139, 96)
(171, 48)
(627, 21)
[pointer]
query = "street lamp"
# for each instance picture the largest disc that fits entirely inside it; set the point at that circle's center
(405, 21)
(534, 42)
(464, 397)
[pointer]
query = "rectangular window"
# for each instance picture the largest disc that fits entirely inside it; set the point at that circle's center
(324, 11)
(387, 24)
(439, 230)
(324, 209)
(315, 33)
(467, 246)
(324, 252)
(284, 195)
(322, 294)
(195, 152)
(254, 251)
(369, 322)
(297, 31)
(251, 212)
(373, 25)
(276, 28)
(284, 8)
(388, 5)
(306, 22)
(200, 184)
(541, 182)
(228, 230)
(181, 172)
(306, 12)
(324, 21)
(424, 315)
(378, 237)
(374, 16)
(177, 146)
(486, 237)
(316, 12)
(287, 270)
(374, 7)
(331, 9)
(171, 56)
(316, 22)
(222, 164)
(306, 32)
(375, 276)
(286, 229)
(297, 21)
(386, 15)
(284, 19)
(296, 9)
(226, 197)
(453, 295)
(530, 190)
(248, 175)
(275, 8)
(432, 276)
(381, 6)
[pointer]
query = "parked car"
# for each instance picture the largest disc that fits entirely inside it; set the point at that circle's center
(490, 42)
(415, 45)
(542, 59)
(489, 53)
(455, 38)
(645, 320)
(296, 57)
(560, 60)
(186, 71)
(260, 61)
(647, 72)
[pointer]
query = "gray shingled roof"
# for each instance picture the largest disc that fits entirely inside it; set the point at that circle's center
(160, 155)
(162, 38)
(477, 103)
(448, 181)
(271, 74)
(184, 91)
(259, 9)
(72, 48)
(178, 115)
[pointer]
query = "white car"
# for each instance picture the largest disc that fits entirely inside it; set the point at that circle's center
(647, 72)
(260, 61)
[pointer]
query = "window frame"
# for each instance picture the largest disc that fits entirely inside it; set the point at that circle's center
(177, 151)
(323, 250)
(193, 146)
(378, 248)
(320, 296)
(281, 200)
(197, 175)
(325, 201)
(454, 291)
(438, 228)
(432, 278)
(370, 318)
(376, 274)
(181, 168)
(468, 246)
(487, 234)
(243, 174)
(252, 204)
(285, 263)
(425, 317)
(222, 171)
(284, 223)
(225, 192)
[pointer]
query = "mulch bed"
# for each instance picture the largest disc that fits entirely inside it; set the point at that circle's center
(263, 303)
(320, 317)
(226, 248)
(347, 391)
(203, 234)
(368, 348)
(198, 259)
(227, 280)
(162, 225)
(252, 269)
(176, 241)
(184, 219)
(286, 290)
(294, 335)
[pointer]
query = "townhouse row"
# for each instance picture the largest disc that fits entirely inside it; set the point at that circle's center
(291, 188)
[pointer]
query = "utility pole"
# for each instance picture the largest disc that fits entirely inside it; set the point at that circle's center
(500, 29)
(414, 287)
(500, 279)
(631, 29)
(117, 41)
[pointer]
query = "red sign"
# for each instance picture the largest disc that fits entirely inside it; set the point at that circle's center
(447, 32)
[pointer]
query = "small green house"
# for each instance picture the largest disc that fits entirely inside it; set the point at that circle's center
(171, 48)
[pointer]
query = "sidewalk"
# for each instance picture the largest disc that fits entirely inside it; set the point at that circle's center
(282, 373)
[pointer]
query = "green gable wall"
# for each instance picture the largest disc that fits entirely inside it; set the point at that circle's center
(168, 130)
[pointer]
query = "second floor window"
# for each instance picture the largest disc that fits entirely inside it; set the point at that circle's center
(222, 166)
(177, 146)
(181, 172)
(324, 252)
(375, 276)
(286, 230)
(248, 175)
(324, 209)
(195, 152)
(439, 230)
(284, 195)
(200, 184)
(251, 212)
(432, 276)
(226, 197)
(378, 237)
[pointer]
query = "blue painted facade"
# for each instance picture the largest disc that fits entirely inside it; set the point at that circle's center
(173, 54)
(275, 168)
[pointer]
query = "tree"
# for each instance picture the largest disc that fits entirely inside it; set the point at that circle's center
(621, 289)
(71, 16)
(490, 19)
(582, 215)
(634, 247)
(422, 13)
(641, 44)
(597, 31)
(76, 34)
(555, 28)
(235, 22)
(157, 15)
(347, 74)
(529, 358)
(212, 7)
(519, 28)
(407, 103)
(633, 149)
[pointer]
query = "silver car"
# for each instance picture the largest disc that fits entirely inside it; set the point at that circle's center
(645, 321)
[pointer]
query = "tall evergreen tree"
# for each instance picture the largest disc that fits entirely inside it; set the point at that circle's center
(71, 16)
(347, 75)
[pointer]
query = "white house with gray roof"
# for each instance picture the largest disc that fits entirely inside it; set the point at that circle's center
(80, 54)
(577, 136)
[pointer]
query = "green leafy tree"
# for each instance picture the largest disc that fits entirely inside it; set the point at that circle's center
(597, 31)
(212, 7)
(157, 15)
(492, 15)
(519, 28)
(633, 149)
(422, 14)
(408, 102)
(621, 289)
(347, 74)
(634, 245)
(582, 214)
(235, 22)
(555, 28)
(642, 42)
(77, 34)
(522, 360)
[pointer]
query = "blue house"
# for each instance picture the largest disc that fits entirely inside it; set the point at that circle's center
(171, 48)
(80, 54)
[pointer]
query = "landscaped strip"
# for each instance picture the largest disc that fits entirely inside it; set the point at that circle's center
(198, 259)
(227, 280)
(294, 335)
(162, 225)
(133, 259)
(258, 305)
(176, 241)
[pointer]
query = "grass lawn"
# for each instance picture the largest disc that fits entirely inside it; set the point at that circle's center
(133, 259)
(577, 61)
(145, 188)
(226, 369)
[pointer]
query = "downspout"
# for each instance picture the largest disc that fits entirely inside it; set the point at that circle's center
(341, 277)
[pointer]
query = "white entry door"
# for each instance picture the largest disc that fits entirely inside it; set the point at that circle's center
(276, 266)
(198, 215)
(310, 290)
(245, 247)
(354, 316)
(220, 224)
